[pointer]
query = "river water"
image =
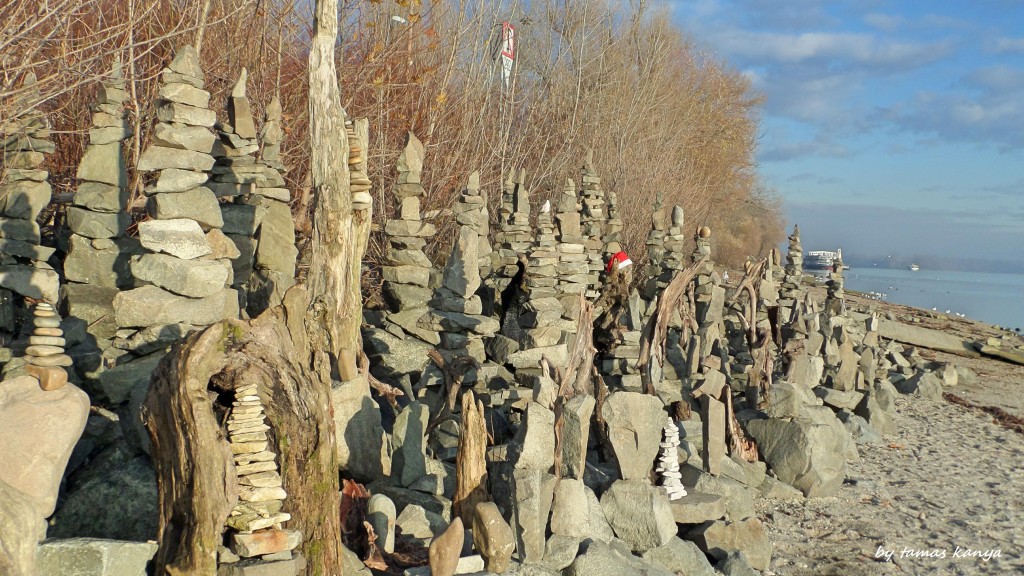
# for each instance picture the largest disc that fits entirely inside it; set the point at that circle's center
(994, 298)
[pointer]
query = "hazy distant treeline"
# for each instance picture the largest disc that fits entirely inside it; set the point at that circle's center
(660, 114)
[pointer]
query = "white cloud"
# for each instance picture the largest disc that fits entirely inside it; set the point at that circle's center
(1005, 45)
(884, 22)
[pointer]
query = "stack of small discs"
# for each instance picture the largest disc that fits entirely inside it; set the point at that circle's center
(46, 344)
(358, 180)
(668, 462)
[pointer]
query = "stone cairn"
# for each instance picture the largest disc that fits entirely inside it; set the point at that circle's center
(255, 533)
(668, 462)
(359, 182)
(236, 176)
(573, 263)
(657, 277)
(790, 293)
(613, 226)
(184, 272)
(515, 235)
(407, 273)
(96, 266)
(594, 222)
(46, 343)
(456, 295)
(540, 320)
(24, 192)
(835, 299)
(471, 210)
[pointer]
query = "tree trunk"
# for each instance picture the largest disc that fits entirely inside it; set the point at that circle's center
(195, 469)
(471, 460)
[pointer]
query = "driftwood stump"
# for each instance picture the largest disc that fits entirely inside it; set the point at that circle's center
(471, 459)
(195, 469)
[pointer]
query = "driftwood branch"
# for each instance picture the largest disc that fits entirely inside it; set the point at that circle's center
(471, 459)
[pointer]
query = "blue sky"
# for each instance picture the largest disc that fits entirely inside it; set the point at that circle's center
(888, 127)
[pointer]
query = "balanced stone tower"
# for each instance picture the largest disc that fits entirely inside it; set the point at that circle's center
(540, 320)
(24, 192)
(96, 266)
(594, 222)
(184, 273)
(656, 276)
(573, 263)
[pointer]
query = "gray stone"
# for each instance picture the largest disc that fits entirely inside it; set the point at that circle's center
(532, 493)
(576, 415)
(558, 356)
(841, 400)
(94, 305)
(276, 249)
(25, 199)
(875, 416)
(462, 271)
(133, 429)
(151, 306)
(409, 455)
(859, 429)
(739, 498)
(601, 559)
(358, 430)
(97, 224)
(403, 497)
(185, 94)
(103, 163)
(772, 488)
(925, 338)
(787, 400)
(100, 197)
(570, 514)
(923, 384)
(680, 557)
(116, 383)
(25, 249)
(20, 527)
(182, 238)
(492, 536)
(381, 514)
(94, 557)
(198, 204)
(698, 507)
(634, 422)
(106, 266)
(161, 158)
(39, 283)
(718, 539)
(804, 454)
(418, 522)
(117, 499)
(195, 138)
(640, 514)
(175, 180)
(500, 347)
(176, 113)
(560, 551)
(194, 278)
(534, 444)
(736, 564)
(351, 565)
(19, 229)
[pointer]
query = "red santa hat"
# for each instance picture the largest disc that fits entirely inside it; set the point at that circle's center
(618, 262)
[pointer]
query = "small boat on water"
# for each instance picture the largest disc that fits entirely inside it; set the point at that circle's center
(819, 260)
(914, 267)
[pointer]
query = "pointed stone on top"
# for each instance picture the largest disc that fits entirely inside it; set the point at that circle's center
(274, 109)
(510, 179)
(659, 199)
(411, 158)
(186, 62)
(588, 161)
(238, 91)
(462, 272)
(546, 207)
(117, 69)
(796, 230)
(678, 217)
(29, 80)
(474, 181)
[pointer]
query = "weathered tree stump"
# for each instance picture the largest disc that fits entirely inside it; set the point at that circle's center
(471, 459)
(195, 469)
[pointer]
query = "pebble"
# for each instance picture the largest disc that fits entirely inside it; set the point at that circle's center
(46, 340)
(46, 322)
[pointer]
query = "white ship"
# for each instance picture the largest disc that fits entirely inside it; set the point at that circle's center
(819, 260)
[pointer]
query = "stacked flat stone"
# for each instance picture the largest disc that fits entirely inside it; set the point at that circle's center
(675, 245)
(668, 462)
(255, 521)
(541, 320)
(185, 271)
(235, 176)
(594, 222)
(710, 299)
(657, 278)
(359, 182)
(46, 343)
(503, 259)
(835, 297)
(407, 273)
(573, 262)
(471, 210)
(460, 280)
(276, 253)
(516, 235)
(768, 291)
(619, 365)
(613, 226)
(24, 192)
(790, 292)
(96, 265)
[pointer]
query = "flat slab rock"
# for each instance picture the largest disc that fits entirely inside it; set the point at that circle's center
(697, 507)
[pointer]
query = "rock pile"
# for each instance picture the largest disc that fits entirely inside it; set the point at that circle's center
(791, 292)
(456, 306)
(471, 210)
(256, 534)
(668, 462)
(514, 234)
(657, 278)
(573, 262)
(185, 279)
(835, 298)
(541, 319)
(96, 266)
(594, 222)
(46, 343)
(24, 192)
